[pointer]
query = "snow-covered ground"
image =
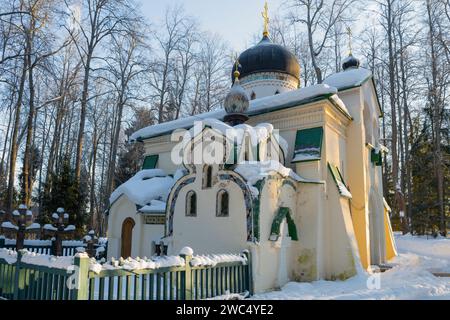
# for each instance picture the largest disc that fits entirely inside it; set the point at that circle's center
(411, 278)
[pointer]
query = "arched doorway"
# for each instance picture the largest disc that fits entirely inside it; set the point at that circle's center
(127, 236)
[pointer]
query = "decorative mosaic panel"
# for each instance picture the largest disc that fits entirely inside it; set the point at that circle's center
(248, 202)
(154, 219)
(174, 197)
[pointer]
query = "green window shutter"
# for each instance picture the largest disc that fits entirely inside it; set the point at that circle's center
(150, 162)
(308, 145)
(376, 157)
(339, 180)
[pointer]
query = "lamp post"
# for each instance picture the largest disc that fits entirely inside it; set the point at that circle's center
(58, 229)
(22, 223)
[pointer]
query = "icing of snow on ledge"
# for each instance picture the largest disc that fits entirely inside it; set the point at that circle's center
(212, 260)
(252, 172)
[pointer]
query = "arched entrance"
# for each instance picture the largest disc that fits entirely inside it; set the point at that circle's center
(127, 236)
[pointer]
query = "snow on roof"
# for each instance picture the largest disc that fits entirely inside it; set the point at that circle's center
(257, 106)
(148, 188)
(252, 172)
(348, 79)
(258, 133)
(145, 186)
(154, 206)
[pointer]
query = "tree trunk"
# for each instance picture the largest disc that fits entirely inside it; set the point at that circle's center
(436, 117)
(27, 156)
(84, 98)
(14, 146)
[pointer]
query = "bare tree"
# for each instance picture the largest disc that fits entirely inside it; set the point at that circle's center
(102, 18)
(321, 19)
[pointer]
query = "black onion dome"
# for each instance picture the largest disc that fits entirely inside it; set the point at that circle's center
(350, 62)
(267, 56)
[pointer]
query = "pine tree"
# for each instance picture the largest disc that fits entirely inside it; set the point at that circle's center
(64, 191)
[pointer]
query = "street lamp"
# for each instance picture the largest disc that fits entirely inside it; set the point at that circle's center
(22, 223)
(58, 229)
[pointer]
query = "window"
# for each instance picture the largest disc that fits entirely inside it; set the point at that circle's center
(207, 177)
(150, 161)
(191, 204)
(308, 145)
(253, 96)
(223, 200)
(247, 145)
(339, 180)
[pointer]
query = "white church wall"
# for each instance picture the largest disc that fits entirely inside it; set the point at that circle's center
(120, 210)
(151, 234)
(357, 158)
(272, 259)
(307, 257)
(161, 146)
(374, 182)
(206, 232)
(341, 254)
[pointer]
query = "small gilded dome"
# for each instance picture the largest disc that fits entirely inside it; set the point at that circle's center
(350, 62)
(237, 100)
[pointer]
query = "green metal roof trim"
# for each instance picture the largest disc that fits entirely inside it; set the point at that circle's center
(308, 145)
(150, 162)
(283, 212)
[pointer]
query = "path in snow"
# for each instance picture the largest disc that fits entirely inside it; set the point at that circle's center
(411, 278)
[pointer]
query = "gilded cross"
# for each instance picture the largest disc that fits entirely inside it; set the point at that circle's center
(265, 15)
(236, 66)
(349, 33)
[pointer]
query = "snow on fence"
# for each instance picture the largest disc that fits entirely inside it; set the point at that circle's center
(48, 247)
(29, 276)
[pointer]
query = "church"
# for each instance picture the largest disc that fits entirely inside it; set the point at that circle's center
(290, 173)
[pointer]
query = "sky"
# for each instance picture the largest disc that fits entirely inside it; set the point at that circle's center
(235, 20)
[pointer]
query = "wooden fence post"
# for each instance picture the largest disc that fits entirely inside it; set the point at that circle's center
(53, 247)
(19, 277)
(82, 277)
(249, 271)
(186, 283)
